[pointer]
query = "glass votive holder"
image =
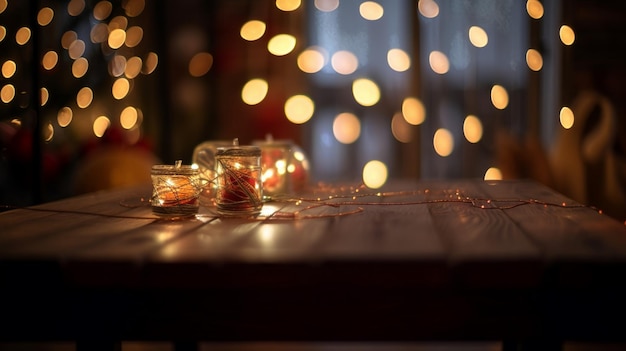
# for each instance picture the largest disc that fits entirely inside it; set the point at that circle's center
(239, 185)
(175, 191)
(204, 158)
(275, 157)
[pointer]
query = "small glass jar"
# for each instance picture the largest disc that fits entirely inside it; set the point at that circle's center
(275, 157)
(175, 191)
(204, 157)
(239, 184)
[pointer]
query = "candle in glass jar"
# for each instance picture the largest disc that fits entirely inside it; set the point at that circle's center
(239, 185)
(175, 190)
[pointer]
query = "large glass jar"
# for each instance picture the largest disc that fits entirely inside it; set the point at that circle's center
(239, 184)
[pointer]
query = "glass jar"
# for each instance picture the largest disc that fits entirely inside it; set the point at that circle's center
(239, 184)
(175, 190)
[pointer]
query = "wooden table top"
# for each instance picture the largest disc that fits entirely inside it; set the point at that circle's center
(464, 259)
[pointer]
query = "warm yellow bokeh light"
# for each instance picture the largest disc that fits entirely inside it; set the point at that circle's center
(50, 60)
(80, 67)
(99, 33)
(365, 92)
(374, 174)
(567, 35)
(254, 91)
(499, 97)
(44, 96)
(100, 126)
(102, 10)
(346, 128)
(344, 62)
(64, 117)
(326, 5)
(117, 37)
(443, 141)
(120, 88)
(398, 60)
(299, 109)
(76, 49)
(371, 10)
(7, 93)
(22, 36)
(478, 37)
(288, 5)
(45, 16)
(9, 68)
(3, 5)
(413, 111)
(117, 65)
(472, 129)
(428, 8)
(3, 32)
(400, 129)
(134, 35)
(118, 22)
(534, 60)
(68, 38)
(493, 173)
(534, 9)
(439, 62)
(75, 7)
(84, 97)
(311, 60)
(134, 8)
(200, 64)
(566, 117)
(281, 44)
(150, 63)
(48, 132)
(128, 117)
(133, 67)
(252, 30)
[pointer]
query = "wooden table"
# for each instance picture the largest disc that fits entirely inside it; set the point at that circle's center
(424, 261)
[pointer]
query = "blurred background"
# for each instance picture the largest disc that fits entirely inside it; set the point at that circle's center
(93, 93)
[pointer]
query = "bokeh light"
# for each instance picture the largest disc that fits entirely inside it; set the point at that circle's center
(413, 111)
(84, 97)
(365, 92)
(49, 60)
(534, 9)
(200, 64)
(371, 10)
(499, 97)
(311, 60)
(346, 128)
(567, 35)
(288, 5)
(428, 8)
(3, 33)
(299, 109)
(80, 67)
(150, 63)
(7, 93)
(22, 36)
(472, 129)
(254, 91)
(344, 62)
(102, 10)
(128, 117)
(534, 60)
(9, 67)
(117, 37)
(252, 30)
(44, 96)
(133, 67)
(281, 44)
(398, 60)
(400, 129)
(493, 173)
(76, 49)
(75, 7)
(443, 141)
(439, 62)
(45, 16)
(120, 88)
(134, 35)
(64, 116)
(48, 132)
(478, 37)
(566, 117)
(326, 5)
(100, 126)
(375, 174)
